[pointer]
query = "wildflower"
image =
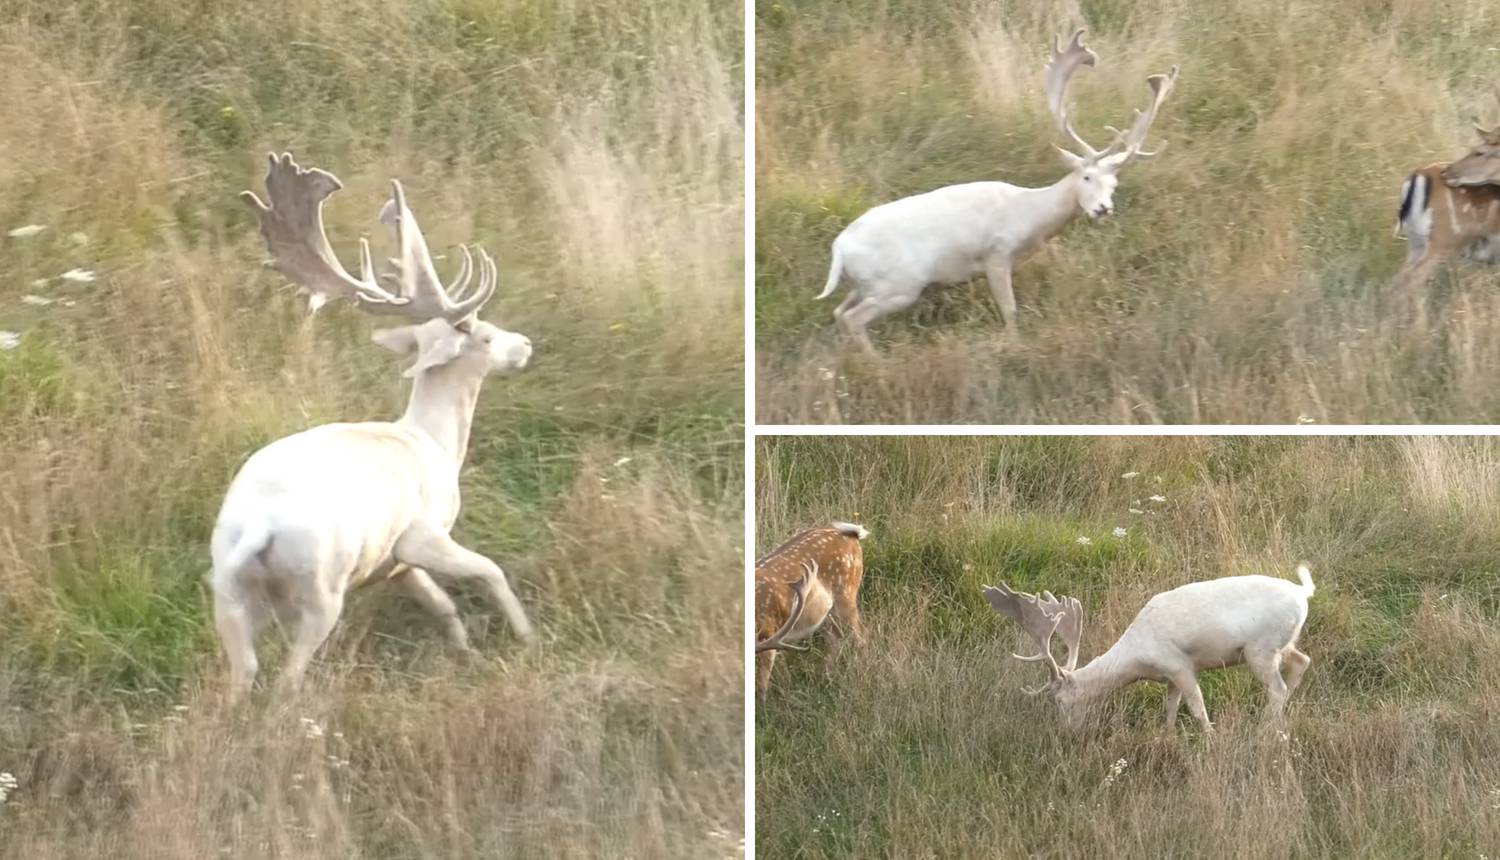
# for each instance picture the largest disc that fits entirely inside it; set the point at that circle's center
(27, 232)
(622, 461)
(8, 784)
(227, 111)
(1136, 511)
(1084, 541)
(39, 301)
(1128, 475)
(1119, 531)
(311, 729)
(10, 339)
(1306, 419)
(181, 709)
(825, 374)
(78, 276)
(1115, 770)
(1158, 498)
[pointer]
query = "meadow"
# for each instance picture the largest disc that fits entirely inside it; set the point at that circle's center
(596, 150)
(923, 745)
(1244, 275)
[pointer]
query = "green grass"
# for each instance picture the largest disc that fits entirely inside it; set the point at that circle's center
(922, 744)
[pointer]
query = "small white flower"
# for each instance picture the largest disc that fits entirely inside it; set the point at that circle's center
(40, 283)
(1136, 511)
(39, 301)
(10, 339)
(825, 374)
(1128, 475)
(311, 729)
(181, 709)
(1158, 498)
(1306, 419)
(622, 461)
(27, 232)
(1119, 531)
(78, 276)
(1083, 540)
(8, 784)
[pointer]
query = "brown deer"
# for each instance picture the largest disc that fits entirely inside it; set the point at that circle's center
(800, 584)
(1451, 210)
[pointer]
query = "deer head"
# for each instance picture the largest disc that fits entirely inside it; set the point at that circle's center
(800, 588)
(1095, 168)
(444, 327)
(1043, 617)
(1482, 165)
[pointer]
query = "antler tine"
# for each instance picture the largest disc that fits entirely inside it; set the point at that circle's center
(1038, 620)
(291, 224)
(799, 600)
(1132, 141)
(416, 277)
(1060, 69)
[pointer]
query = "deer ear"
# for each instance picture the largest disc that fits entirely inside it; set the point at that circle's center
(400, 340)
(436, 349)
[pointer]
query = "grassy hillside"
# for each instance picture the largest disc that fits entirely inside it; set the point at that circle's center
(923, 745)
(1242, 277)
(595, 148)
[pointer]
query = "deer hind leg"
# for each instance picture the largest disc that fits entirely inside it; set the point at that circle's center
(879, 300)
(1267, 667)
(1296, 664)
(417, 585)
(319, 612)
(236, 628)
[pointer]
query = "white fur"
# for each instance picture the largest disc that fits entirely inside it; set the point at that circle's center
(315, 514)
(1253, 620)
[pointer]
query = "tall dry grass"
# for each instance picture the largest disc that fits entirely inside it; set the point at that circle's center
(922, 744)
(596, 149)
(1244, 276)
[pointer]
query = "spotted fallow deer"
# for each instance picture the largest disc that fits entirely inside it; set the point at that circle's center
(893, 252)
(829, 562)
(1254, 620)
(321, 512)
(1452, 210)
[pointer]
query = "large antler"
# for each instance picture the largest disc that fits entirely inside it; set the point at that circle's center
(804, 584)
(1041, 618)
(1132, 141)
(292, 226)
(1060, 70)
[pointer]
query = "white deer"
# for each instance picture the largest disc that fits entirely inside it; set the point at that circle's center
(1253, 620)
(342, 505)
(894, 251)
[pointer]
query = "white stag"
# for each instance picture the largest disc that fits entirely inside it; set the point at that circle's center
(1254, 620)
(342, 505)
(893, 252)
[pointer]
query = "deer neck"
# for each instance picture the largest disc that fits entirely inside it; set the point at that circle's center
(1055, 205)
(442, 406)
(1109, 671)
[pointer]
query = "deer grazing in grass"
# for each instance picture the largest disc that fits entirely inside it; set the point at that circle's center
(894, 251)
(798, 585)
(1451, 210)
(1253, 620)
(315, 514)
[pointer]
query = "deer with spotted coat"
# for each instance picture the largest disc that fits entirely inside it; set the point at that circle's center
(318, 513)
(891, 253)
(799, 585)
(1254, 620)
(1451, 210)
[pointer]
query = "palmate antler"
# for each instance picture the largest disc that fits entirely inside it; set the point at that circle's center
(1060, 69)
(1041, 618)
(800, 588)
(292, 226)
